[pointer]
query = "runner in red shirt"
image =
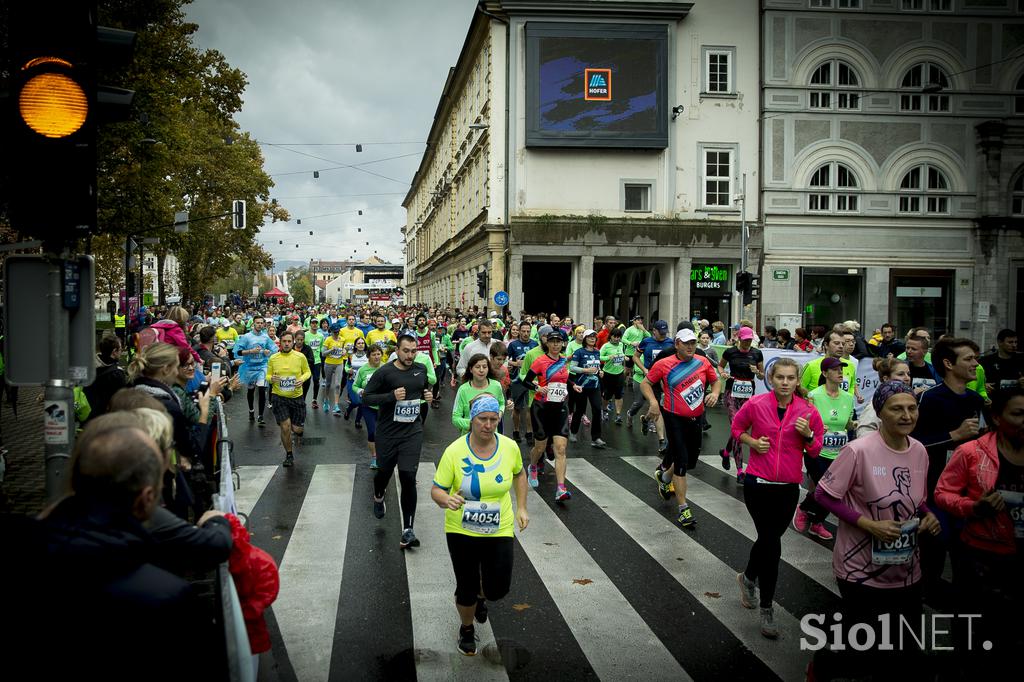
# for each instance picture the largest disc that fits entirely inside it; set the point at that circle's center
(688, 383)
(549, 377)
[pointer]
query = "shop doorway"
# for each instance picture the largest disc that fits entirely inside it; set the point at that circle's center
(922, 298)
(625, 289)
(831, 295)
(546, 287)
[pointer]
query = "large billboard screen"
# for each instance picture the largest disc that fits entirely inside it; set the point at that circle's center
(596, 85)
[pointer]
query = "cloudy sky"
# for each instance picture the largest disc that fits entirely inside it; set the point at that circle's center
(327, 74)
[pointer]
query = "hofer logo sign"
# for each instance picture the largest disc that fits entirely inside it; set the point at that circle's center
(598, 84)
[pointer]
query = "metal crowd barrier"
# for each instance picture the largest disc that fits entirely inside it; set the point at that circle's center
(236, 640)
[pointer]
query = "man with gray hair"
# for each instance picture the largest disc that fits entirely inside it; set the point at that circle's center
(84, 567)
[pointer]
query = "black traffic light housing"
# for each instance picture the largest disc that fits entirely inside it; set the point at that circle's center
(53, 107)
(481, 284)
(749, 285)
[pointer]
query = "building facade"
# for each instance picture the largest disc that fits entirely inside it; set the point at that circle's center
(893, 157)
(330, 269)
(589, 157)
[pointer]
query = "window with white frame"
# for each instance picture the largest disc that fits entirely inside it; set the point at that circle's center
(912, 5)
(1017, 207)
(924, 189)
(719, 69)
(1018, 100)
(821, 4)
(717, 164)
(831, 85)
(848, 4)
(923, 77)
(832, 189)
(941, 5)
(637, 197)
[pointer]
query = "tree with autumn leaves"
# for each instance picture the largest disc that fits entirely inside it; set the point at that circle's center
(182, 150)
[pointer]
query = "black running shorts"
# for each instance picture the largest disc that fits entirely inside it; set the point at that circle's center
(549, 419)
(289, 409)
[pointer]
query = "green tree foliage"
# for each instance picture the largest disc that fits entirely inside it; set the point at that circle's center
(300, 285)
(183, 149)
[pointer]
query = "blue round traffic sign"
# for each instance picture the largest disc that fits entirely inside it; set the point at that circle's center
(501, 298)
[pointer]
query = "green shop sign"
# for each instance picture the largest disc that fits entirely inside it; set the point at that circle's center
(714, 277)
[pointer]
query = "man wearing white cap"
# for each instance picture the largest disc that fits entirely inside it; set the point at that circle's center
(685, 379)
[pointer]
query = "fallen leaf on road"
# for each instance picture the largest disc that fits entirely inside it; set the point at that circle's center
(713, 595)
(551, 544)
(520, 607)
(276, 537)
(582, 581)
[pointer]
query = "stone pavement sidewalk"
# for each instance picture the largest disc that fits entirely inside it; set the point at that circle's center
(23, 489)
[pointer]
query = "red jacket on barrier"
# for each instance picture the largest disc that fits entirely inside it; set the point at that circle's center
(256, 581)
(971, 472)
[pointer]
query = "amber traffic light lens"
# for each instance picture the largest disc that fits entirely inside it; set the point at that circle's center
(53, 105)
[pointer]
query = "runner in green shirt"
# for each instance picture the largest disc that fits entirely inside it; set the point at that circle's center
(314, 339)
(366, 413)
(576, 342)
(836, 409)
(613, 360)
(632, 337)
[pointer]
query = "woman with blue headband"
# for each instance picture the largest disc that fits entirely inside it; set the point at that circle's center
(472, 485)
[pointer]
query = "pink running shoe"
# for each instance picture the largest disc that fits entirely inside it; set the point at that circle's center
(800, 521)
(820, 530)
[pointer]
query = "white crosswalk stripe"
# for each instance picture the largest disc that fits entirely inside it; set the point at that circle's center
(798, 550)
(252, 481)
(311, 571)
(701, 574)
(597, 613)
(431, 590)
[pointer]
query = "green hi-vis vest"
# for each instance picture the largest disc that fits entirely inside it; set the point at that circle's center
(119, 321)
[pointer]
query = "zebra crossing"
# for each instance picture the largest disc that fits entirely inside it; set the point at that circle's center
(606, 586)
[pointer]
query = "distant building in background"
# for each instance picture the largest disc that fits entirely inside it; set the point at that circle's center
(367, 282)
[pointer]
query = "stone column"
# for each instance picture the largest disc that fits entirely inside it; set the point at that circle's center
(583, 306)
(515, 283)
(678, 303)
(495, 263)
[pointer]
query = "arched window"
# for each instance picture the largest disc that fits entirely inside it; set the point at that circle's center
(830, 188)
(928, 78)
(1018, 101)
(831, 84)
(1018, 196)
(926, 187)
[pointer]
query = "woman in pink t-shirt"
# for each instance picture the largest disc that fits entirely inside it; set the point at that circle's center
(877, 487)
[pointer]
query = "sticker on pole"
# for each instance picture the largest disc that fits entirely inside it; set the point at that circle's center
(56, 422)
(501, 298)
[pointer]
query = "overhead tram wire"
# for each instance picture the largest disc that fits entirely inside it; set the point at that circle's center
(354, 166)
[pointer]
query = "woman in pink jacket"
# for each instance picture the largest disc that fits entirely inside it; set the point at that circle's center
(983, 485)
(779, 427)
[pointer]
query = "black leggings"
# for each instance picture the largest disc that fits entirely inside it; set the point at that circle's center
(579, 408)
(771, 506)
(684, 438)
(262, 397)
(407, 497)
(480, 563)
(816, 468)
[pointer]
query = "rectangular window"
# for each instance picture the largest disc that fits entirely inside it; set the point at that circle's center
(818, 202)
(1018, 106)
(848, 100)
(938, 102)
(910, 204)
(941, 5)
(821, 4)
(821, 100)
(718, 171)
(849, 4)
(910, 102)
(637, 198)
(846, 202)
(914, 5)
(938, 204)
(719, 67)
(1018, 204)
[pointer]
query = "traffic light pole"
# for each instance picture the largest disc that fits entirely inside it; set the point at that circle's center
(58, 394)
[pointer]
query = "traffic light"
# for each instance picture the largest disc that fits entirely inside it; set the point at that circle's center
(481, 284)
(54, 107)
(749, 285)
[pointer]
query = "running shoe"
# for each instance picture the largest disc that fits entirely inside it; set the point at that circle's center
(741, 477)
(618, 420)
(541, 465)
(605, 416)
(801, 521)
(685, 517)
(529, 439)
(573, 438)
(516, 437)
(768, 628)
(337, 411)
(315, 404)
(748, 591)
(662, 446)
(348, 412)
(562, 494)
(531, 475)
(726, 459)
(379, 508)
(629, 421)
(663, 488)
(821, 531)
(359, 425)
(586, 420)
(467, 640)
(327, 407)
(644, 427)
(408, 540)
(599, 444)
(481, 610)
(252, 415)
(373, 462)
(260, 422)
(289, 460)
